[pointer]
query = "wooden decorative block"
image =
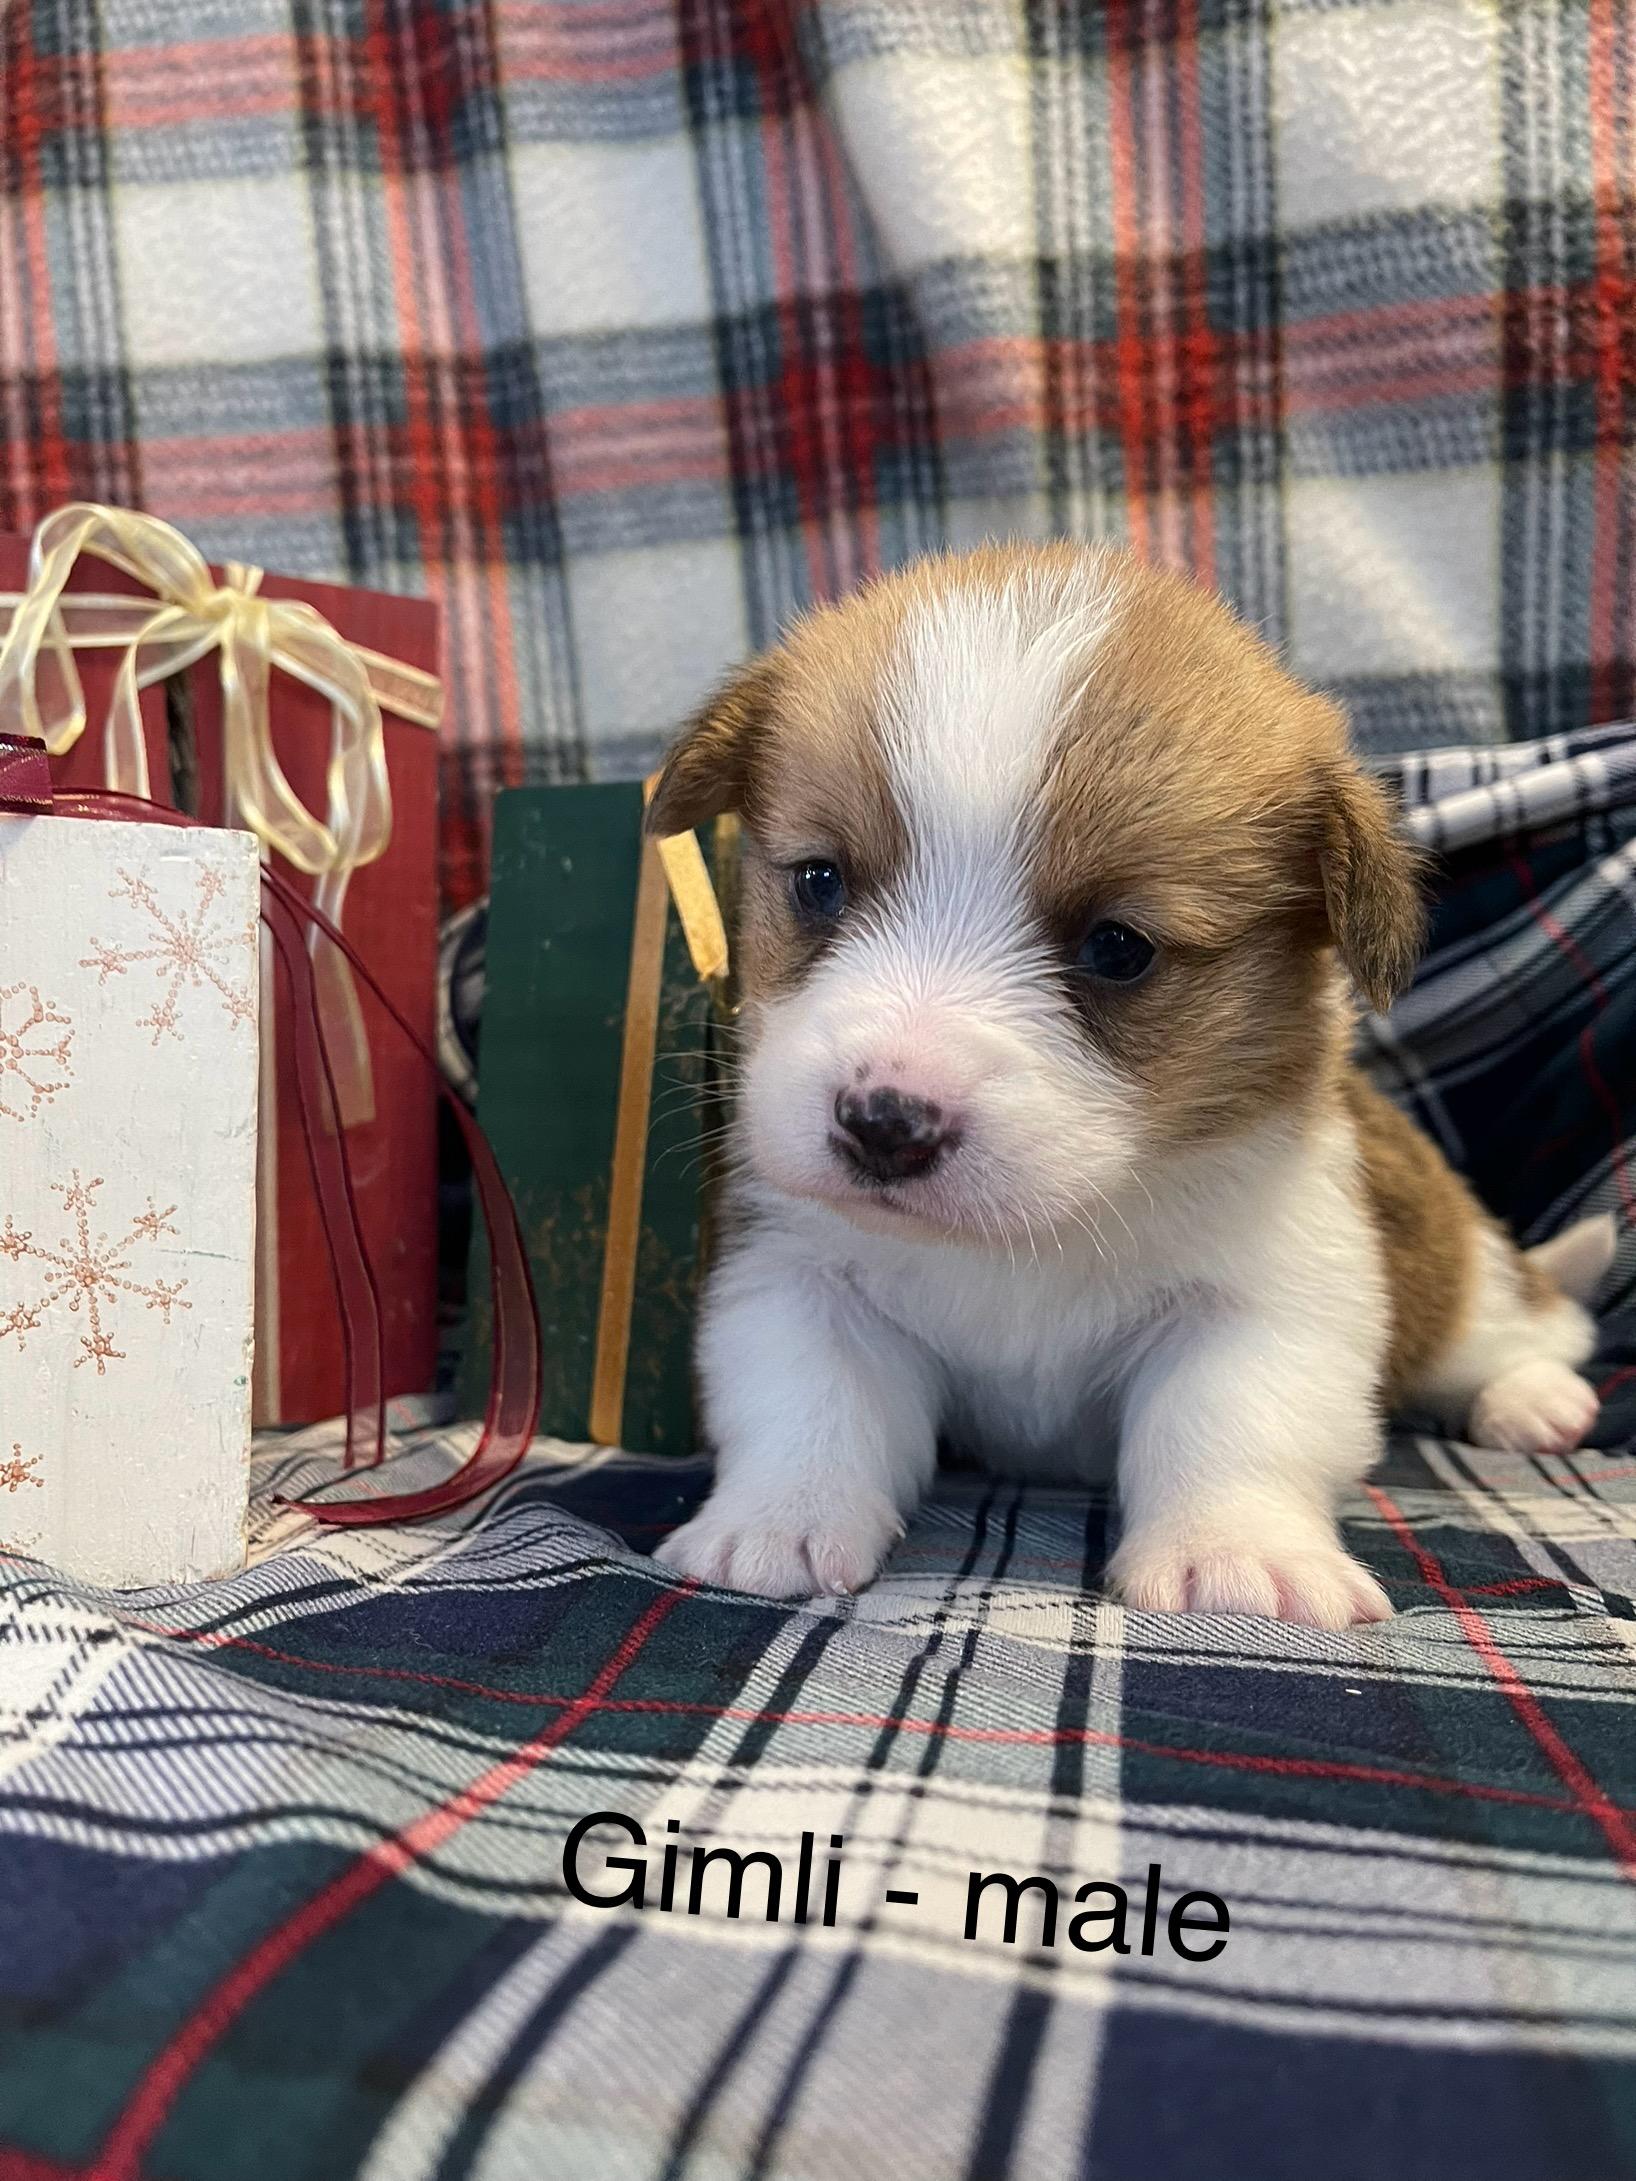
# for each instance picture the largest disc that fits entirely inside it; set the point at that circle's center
(562, 914)
(128, 1078)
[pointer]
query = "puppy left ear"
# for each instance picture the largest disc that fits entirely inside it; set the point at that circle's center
(1371, 882)
(707, 769)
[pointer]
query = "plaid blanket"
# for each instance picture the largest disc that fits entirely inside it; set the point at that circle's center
(286, 1877)
(627, 327)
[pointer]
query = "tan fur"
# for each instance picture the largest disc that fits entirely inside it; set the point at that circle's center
(1426, 1221)
(1538, 1290)
(1191, 797)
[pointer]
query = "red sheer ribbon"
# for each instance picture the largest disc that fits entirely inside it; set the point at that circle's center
(514, 1386)
(25, 774)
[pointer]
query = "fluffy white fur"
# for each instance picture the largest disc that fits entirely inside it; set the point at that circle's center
(1224, 1344)
(1047, 1301)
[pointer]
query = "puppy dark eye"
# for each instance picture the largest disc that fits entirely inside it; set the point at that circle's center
(818, 891)
(1115, 952)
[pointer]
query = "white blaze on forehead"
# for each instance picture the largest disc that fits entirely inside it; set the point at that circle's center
(971, 704)
(974, 695)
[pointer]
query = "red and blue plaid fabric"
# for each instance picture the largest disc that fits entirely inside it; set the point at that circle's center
(281, 1857)
(627, 328)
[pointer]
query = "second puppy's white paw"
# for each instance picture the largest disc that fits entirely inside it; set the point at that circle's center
(1539, 1407)
(784, 1551)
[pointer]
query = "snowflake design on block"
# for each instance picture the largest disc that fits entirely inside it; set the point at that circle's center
(190, 952)
(34, 1042)
(14, 1474)
(86, 1272)
(19, 1470)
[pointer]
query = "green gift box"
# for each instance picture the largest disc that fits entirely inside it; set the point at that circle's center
(606, 1016)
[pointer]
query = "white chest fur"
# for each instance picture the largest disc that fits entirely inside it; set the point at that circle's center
(1031, 1350)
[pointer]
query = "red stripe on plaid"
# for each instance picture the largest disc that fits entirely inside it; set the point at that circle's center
(1392, 355)
(1514, 1589)
(34, 106)
(1556, 332)
(1616, 1824)
(122, 2152)
(1314, 1768)
(639, 446)
(1167, 364)
(197, 80)
(1613, 335)
(1365, 356)
(1437, 317)
(453, 450)
(1351, 388)
(997, 383)
(1352, 360)
(854, 519)
(18, 2165)
(1199, 391)
(821, 400)
(463, 574)
(615, 41)
(250, 478)
(422, 451)
(790, 402)
(1131, 374)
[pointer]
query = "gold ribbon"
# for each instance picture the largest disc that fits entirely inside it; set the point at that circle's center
(694, 899)
(188, 616)
(671, 873)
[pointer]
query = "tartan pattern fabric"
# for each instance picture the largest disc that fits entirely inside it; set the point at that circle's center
(282, 1857)
(626, 329)
(1513, 1048)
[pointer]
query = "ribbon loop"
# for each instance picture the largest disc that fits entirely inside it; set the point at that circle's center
(188, 616)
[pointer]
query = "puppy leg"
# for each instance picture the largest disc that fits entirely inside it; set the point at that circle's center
(1509, 1378)
(1238, 1434)
(824, 1422)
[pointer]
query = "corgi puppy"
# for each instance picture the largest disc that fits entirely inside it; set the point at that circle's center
(1048, 1145)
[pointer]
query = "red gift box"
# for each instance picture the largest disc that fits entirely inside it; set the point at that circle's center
(84, 765)
(391, 920)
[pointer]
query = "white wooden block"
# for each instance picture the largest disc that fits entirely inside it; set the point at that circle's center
(128, 1077)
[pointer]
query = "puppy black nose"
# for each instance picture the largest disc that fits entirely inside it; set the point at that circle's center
(888, 1135)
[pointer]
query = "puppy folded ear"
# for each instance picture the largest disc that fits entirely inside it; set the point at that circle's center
(1370, 877)
(708, 767)
(1371, 883)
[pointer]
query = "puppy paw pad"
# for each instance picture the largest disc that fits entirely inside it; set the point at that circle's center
(1319, 1586)
(773, 1560)
(1539, 1408)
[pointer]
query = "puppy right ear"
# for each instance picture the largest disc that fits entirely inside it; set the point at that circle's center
(708, 767)
(1371, 883)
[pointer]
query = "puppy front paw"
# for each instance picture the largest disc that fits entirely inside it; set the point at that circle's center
(784, 1552)
(1312, 1581)
(1537, 1407)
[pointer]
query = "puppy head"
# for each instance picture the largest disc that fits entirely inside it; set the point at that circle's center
(1047, 861)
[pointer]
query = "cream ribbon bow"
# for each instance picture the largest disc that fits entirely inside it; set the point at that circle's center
(188, 616)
